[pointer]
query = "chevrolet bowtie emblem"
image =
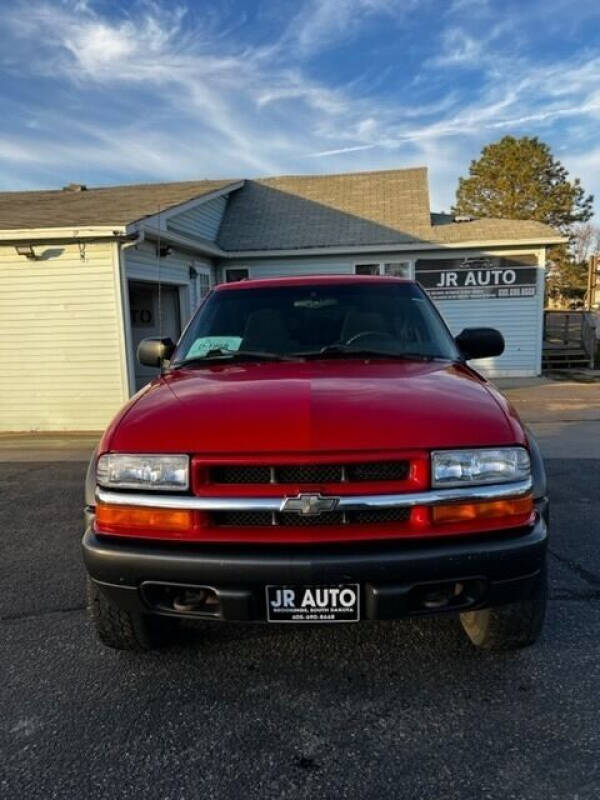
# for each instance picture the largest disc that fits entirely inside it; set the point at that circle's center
(309, 505)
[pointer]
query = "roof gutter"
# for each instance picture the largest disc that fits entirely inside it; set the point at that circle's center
(128, 236)
(396, 248)
(130, 233)
(120, 246)
(89, 233)
(139, 237)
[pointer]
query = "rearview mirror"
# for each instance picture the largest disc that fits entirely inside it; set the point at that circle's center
(480, 343)
(152, 352)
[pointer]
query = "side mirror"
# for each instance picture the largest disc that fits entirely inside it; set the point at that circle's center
(152, 352)
(480, 343)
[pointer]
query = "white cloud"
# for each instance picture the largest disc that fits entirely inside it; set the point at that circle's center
(157, 53)
(477, 7)
(291, 85)
(458, 48)
(341, 150)
(20, 151)
(481, 50)
(586, 166)
(97, 47)
(584, 162)
(322, 23)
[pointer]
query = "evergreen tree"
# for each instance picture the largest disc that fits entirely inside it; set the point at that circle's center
(521, 179)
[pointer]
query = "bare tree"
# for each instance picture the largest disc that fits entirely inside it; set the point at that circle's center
(585, 242)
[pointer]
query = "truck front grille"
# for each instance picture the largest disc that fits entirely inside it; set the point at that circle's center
(243, 519)
(312, 473)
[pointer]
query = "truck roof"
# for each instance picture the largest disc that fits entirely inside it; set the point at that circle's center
(308, 280)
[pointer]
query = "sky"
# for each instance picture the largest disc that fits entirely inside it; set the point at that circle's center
(104, 92)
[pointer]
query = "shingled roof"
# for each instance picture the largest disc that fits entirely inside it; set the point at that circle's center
(353, 209)
(108, 205)
(493, 229)
(298, 211)
(293, 212)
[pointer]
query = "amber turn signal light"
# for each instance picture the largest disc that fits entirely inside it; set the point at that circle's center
(493, 509)
(136, 519)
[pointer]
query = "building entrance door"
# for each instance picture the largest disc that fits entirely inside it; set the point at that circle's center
(143, 305)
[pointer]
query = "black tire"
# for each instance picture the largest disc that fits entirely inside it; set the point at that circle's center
(512, 626)
(121, 629)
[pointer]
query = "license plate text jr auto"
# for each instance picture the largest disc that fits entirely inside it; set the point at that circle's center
(340, 603)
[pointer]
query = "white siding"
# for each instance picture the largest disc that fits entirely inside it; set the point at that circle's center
(60, 339)
(203, 221)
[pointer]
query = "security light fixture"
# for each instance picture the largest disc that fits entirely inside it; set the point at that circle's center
(164, 250)
(25, 250)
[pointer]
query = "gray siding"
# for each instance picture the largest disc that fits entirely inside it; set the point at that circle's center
(203, 221)
(519, 319)
(316, 266)
(61, 339)
(516, 319)
(308, 265)
(142, 264)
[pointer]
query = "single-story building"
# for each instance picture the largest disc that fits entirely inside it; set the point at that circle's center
(80, 270)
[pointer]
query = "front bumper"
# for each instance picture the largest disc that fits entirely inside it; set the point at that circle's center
(500, 568)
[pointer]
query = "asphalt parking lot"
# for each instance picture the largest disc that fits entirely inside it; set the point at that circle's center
(406, 709)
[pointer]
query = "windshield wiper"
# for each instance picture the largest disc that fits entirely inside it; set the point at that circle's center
(223, 354)
(348, 350)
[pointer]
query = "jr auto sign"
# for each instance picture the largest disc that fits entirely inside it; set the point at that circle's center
(474, 278)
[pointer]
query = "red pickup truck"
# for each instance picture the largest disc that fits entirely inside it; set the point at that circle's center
(317, 450)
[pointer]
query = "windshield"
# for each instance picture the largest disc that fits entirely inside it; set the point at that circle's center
(307, 320)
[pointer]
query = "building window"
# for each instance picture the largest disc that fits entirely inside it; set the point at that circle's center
(233, 275)
(203, 284)
(397, 269)
(366, 269)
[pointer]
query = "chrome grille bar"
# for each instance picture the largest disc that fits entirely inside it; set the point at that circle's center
(431, 497)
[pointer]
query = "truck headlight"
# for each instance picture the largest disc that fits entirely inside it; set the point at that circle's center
(120, 471)
(479, 466)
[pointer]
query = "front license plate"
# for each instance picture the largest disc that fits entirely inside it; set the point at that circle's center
(339, 603)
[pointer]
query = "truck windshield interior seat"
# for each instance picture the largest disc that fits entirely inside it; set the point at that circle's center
(266, 330)
(361, 321)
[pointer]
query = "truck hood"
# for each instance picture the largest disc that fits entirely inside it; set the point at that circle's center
(315, 406)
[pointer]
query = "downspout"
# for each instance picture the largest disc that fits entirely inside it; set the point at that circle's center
(129, 354)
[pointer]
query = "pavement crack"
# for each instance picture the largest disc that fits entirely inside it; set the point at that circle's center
(582, 572)
(46, 612)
